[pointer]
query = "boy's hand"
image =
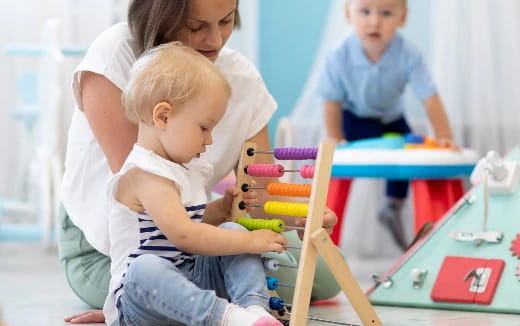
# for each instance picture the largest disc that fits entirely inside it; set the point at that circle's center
(263, 241)
(337, 141)
(329, 221)
(448, 143)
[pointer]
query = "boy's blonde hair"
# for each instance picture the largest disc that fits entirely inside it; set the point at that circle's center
(405, 2)
(171, 73)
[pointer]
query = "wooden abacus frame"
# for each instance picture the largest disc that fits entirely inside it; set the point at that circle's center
(316, 241)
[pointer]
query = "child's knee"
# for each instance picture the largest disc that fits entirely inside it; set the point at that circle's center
(145, 265)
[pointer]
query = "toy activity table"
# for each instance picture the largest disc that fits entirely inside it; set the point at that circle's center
(435, 174)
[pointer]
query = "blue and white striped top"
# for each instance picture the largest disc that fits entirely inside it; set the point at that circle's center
(133, 234)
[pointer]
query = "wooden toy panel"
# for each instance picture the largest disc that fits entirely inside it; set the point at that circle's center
(430, 253)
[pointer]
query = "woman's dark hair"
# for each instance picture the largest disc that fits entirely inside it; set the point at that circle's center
(154, 22)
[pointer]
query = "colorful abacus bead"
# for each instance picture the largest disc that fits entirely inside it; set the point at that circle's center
(271, 265)
(272, 283)
(260, 224)
(286, 208)
(296, 153)
(307, 171)
(276, 303)
(265, 170)
(289, 189)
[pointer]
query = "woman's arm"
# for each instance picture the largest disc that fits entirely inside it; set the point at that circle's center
(102, 105)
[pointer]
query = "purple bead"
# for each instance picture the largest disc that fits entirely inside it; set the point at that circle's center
(296, 153)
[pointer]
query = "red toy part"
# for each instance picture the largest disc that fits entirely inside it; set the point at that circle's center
(467, 280)
(433, 198)
(515, 246)
(337, 201)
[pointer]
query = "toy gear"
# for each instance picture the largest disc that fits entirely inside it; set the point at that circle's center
(515, 246)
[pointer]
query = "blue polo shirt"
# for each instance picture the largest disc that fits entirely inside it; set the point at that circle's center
(374, 90)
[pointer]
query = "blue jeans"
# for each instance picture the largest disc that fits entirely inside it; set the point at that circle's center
(356, 128)
(155, 292)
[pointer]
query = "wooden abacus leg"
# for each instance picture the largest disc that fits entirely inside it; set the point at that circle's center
(316, 240)
(344, 277)
(308, 257)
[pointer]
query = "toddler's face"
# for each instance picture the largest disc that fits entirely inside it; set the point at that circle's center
(189, 128)
(376, 21)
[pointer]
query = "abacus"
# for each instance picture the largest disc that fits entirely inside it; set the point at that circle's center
(315, 240)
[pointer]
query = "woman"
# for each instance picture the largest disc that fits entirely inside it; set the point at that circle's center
(100, 136)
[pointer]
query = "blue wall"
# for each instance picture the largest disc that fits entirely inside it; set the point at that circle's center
(290, 32)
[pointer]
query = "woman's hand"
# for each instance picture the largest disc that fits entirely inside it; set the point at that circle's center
(329, 221)
(87, 317)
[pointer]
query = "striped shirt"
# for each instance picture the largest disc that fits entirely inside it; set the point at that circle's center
(133, 234)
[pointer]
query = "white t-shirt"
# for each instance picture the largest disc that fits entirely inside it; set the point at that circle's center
(84, 184)
(134, 234)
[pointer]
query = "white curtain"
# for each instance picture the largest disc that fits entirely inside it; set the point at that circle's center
(476, 51)
(307, 116)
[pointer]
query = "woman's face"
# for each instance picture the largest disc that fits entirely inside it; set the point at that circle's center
(209, 26)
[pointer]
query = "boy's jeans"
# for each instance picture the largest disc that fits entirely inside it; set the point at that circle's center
(158, 293)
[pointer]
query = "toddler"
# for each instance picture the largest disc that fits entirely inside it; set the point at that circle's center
(171, 262)
(362, 86)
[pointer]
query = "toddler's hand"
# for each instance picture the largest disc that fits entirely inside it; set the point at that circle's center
(227, 199)
(263, 241)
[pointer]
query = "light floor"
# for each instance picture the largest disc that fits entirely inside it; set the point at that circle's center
(34, 292)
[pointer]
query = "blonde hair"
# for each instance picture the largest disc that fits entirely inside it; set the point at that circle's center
(171, 73)
(405, 2)
(155, 22)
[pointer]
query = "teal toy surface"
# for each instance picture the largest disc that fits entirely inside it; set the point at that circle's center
(393, 142)
(461, 265)
(388, 157)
